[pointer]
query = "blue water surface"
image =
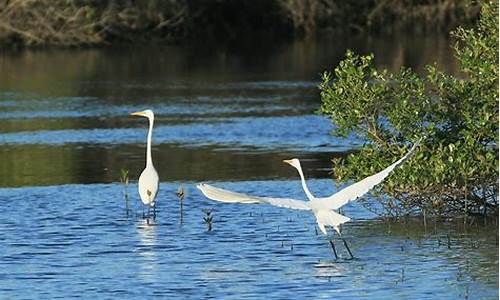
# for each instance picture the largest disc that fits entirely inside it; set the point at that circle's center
(77, 240)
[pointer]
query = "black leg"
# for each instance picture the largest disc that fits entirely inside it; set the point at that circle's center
(347, 247)
(154, 211)
(333, 248)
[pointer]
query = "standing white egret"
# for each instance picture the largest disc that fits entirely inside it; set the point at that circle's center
(323, 208)
(148, 181)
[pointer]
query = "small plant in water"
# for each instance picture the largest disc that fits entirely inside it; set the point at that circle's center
(208, 219)
(181, 194)
(124, 182)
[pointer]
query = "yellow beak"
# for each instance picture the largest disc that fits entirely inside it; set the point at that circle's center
(288, 161)
(138, 113)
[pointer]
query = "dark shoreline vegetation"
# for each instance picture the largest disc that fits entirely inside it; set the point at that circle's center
(456, 171)
(75, 23)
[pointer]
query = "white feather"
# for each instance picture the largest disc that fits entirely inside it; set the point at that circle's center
(321, 207)
(359, 188)
(222, 195)
(329, 218)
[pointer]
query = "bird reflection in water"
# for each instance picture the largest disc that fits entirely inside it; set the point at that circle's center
(329, 269)
(146, 249)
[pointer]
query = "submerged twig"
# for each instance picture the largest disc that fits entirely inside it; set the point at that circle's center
(181, 194)
(208, 219)
(124, 182)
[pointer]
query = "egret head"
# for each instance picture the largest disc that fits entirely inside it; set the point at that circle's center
(148, 113)
(294, 162)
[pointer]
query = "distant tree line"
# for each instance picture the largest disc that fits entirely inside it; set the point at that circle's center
(101, 22)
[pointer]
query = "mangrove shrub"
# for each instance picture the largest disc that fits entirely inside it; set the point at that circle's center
(455, 170)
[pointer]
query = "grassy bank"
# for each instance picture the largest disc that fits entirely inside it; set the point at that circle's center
(93, 22)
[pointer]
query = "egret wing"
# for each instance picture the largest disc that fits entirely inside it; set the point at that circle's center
(223, 195)
(286, 202)
(360, 188)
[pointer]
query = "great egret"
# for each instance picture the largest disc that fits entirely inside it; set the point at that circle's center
(322, 208)
(148, 181)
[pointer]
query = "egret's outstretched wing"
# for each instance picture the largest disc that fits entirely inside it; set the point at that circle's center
(286, 202)
(360, 188)
(222, 195)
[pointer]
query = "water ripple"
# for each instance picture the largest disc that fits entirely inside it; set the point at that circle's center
(299, 132)
(253, 250)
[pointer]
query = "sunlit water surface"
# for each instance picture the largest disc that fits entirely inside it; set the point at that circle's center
(77, 240)
(223, 115)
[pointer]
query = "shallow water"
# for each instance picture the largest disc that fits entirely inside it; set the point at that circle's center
(78, 240)
(224, 115)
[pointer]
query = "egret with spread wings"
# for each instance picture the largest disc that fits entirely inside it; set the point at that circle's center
(322, 208)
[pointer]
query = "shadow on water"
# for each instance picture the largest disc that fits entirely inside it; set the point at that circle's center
(84, 163)
(137, 70)
(413, 262)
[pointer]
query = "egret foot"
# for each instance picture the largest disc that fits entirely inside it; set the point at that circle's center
(333, 248)
(347, 247)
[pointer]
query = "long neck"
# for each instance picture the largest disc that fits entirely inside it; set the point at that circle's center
(149, 160)
(304, 185)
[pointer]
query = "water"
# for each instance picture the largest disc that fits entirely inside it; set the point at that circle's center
(225, 115)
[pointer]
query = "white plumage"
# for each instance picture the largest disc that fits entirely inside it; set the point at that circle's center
(323, 208)
(148, 186)
(149, 180)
